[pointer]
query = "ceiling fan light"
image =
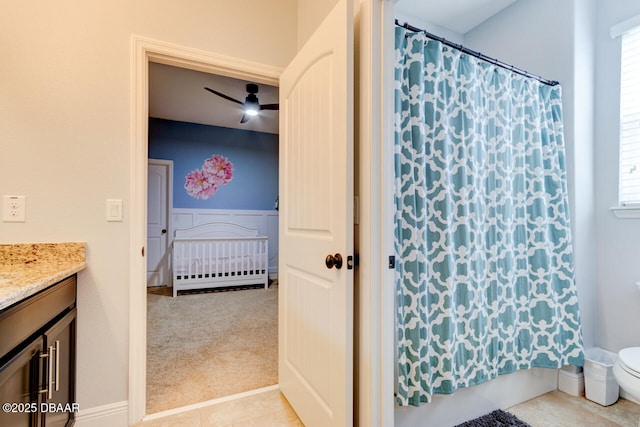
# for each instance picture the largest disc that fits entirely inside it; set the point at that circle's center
(251, 105)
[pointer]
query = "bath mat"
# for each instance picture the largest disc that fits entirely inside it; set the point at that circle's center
(497, 418)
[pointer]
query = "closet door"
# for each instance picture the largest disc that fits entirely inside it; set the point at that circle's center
(316, 225)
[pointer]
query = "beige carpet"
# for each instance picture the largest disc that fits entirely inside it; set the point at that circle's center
(210, 345)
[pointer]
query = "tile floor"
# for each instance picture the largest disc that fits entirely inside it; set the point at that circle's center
(271, 409)
(268, 409)
(558, 409)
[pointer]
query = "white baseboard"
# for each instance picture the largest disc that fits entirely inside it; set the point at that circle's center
(111, 415)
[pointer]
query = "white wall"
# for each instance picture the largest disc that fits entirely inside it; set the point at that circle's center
(618, 240)
(65, 137)
(429, 27)
(310, 14)
(552, 39)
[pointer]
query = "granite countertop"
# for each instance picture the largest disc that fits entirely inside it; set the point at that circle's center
(26, 269)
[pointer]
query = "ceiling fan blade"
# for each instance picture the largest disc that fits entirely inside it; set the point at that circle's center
(270, 107)
(245, 118)
(222, 95)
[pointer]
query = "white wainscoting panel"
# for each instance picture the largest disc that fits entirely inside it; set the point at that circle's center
(266, 222)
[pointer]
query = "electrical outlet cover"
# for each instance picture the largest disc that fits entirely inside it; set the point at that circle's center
(14, 208)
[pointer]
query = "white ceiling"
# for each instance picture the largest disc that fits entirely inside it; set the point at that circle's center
(179, 94)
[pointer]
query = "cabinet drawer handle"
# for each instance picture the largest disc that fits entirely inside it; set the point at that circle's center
(53, 377)
(48, 357)
(57, 365)
(51, 365)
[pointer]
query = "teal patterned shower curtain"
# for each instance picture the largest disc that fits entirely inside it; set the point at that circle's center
(485, 277)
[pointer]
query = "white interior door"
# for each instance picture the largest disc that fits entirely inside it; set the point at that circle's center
(316, 220)
(157, 224)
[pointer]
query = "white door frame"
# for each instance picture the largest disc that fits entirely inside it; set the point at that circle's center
(169, 208)
(375, 334)
(143, 51)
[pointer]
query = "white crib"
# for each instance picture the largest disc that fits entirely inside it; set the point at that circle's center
(219, 254)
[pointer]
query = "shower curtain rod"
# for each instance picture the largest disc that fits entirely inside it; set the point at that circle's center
(476, 54)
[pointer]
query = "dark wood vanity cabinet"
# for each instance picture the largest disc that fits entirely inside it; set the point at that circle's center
(38, 348)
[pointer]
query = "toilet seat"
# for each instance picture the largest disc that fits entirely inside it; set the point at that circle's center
(629, 360)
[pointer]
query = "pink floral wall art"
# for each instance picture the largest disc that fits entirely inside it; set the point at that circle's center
(204, 183)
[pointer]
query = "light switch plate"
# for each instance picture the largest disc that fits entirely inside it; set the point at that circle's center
(14, 208)
(114, 210)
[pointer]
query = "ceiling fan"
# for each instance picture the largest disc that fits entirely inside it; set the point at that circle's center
(251, 104)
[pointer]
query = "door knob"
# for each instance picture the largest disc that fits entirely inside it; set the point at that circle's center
(333, 261)
(164, 231)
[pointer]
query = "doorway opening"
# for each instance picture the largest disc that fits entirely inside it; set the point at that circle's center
(146, 52)
(217, 336)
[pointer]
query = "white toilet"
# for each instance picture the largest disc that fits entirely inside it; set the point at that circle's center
(627, 372)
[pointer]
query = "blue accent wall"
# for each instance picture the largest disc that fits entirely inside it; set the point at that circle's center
(254, 155)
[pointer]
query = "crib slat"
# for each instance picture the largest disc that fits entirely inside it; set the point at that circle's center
(206, 263)
(235, 257)
(225, 257)
(252, 261)
(190, 257)
(217, 266)
(236, 261)
(243, 260)
(196, 260)
(239, 258)
(236, 245)
(245, 266)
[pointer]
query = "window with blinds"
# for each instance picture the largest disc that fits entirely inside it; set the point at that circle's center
(629, 190)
